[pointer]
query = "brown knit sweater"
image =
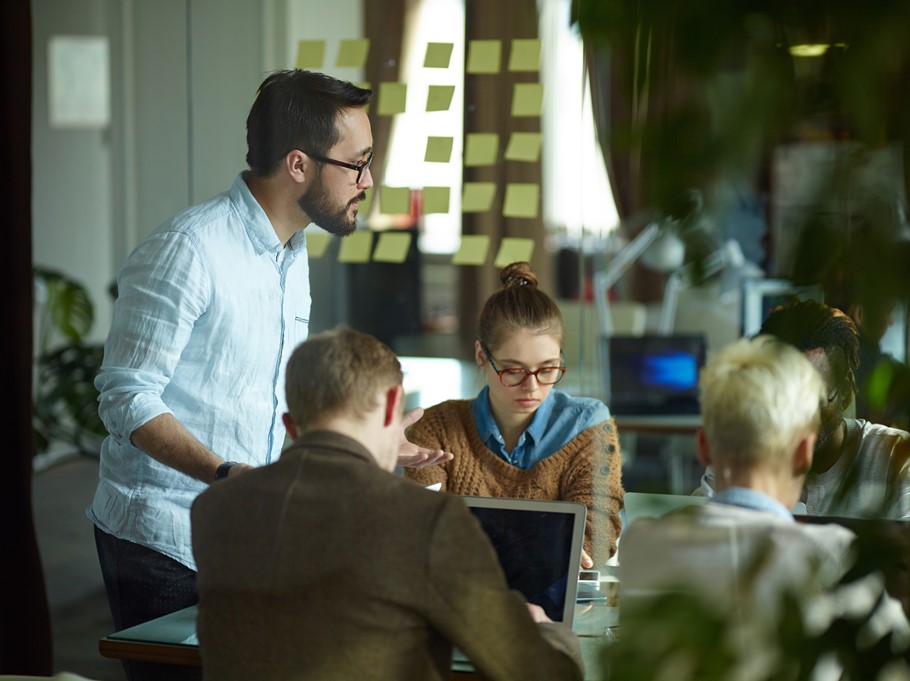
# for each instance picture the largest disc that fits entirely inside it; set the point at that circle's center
(587, 469)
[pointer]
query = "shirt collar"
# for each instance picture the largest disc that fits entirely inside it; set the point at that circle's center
(753, 499)
(258, 227)
(538, 426)
(486, 424)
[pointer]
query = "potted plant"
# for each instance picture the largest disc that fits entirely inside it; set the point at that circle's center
(65, 400)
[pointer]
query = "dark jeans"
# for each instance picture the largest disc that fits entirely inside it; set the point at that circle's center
(141, 585)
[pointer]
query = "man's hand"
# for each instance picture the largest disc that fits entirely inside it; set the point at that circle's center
(538, 614)
(412, 456)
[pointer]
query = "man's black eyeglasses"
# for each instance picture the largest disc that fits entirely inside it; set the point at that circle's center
(516, 376)
(359, 167)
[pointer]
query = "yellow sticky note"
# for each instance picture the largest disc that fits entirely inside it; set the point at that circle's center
(527, 99)
(310, 54)
(356, 247)
(439, 97)
(437, 56)
(472, 250)
(513, 249)
(521, 200)
(353, 53)
(436, 200)
(525, 55)
(439, 150)
(317, 242)
(395, 200)
(392, 247)
(484, 56)
(523, 146)
(392, 98)
(481, 148)
(477, 197)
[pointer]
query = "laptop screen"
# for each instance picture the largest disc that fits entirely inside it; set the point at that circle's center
(539, 548)
(655, 374)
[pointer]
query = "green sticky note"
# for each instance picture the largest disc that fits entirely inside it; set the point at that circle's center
(392, 98)
(439, 97)
(439, 150)
(481, 148)
(356, 247)
(392, 247)
(472, 250)
(484, 56)
(310, 54)
(437, 56)
(477, 197)
(513, 249)
(435, 200)
(527, 99)
(521, 200)
(353, 53)
(317, 243)
(524, 146)
(525, 55)
(395, 200)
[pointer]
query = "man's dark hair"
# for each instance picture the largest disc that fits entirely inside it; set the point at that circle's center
(297, 109)
(809, 325)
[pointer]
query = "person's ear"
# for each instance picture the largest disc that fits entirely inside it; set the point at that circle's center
(290, 426)
(479, 355)
(702, 449)
(802, 457)
(296, 164)
(394, 398)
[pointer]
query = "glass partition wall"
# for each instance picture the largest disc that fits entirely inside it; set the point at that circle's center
(484, 138)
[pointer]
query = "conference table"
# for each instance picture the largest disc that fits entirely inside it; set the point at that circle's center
(171, 639)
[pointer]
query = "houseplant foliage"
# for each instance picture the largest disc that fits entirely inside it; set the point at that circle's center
(694, 95)
(65, 401)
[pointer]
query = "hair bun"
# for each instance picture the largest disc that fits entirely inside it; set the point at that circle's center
(518, 274)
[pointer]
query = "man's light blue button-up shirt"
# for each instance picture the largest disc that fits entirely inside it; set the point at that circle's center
(209, 308)
(557, 420)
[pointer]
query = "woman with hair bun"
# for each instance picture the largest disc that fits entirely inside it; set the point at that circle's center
(520, 437)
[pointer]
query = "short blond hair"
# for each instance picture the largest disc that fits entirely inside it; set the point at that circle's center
(759, 397)
(338, 372)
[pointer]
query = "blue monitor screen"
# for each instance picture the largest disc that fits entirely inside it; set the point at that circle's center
(655, 373)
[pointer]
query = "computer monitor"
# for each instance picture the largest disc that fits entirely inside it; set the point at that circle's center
(654, 375)
(760, 296)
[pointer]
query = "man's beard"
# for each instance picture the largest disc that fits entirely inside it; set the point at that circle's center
(315, 203)
(826, 430)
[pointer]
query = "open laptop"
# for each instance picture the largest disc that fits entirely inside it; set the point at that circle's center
(654, 375)
(539, 547)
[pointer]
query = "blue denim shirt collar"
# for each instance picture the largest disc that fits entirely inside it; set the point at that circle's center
(489, 431)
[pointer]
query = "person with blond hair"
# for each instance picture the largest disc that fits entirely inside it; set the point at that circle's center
(326, 564)
(521, 437)
(742, 551)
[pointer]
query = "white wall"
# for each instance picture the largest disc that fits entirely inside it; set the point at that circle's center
(71, 168)
(183, 76)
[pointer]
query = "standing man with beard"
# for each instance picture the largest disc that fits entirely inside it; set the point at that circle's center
(210, 306)
(859, 469)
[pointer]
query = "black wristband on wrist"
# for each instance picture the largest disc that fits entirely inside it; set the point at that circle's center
(222, 471)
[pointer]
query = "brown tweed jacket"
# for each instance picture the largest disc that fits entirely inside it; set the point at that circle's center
(324, 566)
